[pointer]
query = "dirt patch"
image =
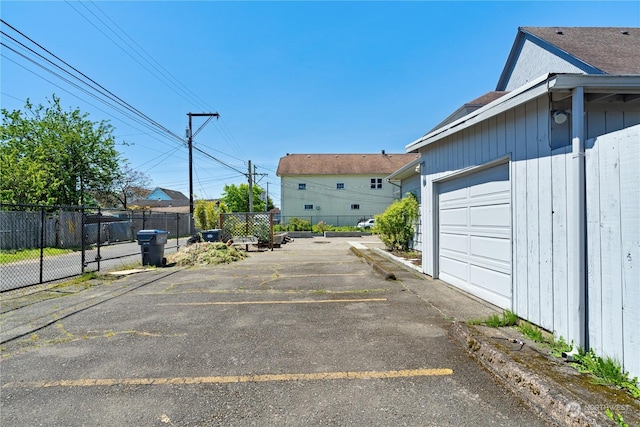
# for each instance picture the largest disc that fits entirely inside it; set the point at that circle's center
(414, 257)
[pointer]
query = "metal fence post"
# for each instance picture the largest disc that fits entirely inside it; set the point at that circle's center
(41, 243)
(99, 237)
(177, 231)
(82, 240)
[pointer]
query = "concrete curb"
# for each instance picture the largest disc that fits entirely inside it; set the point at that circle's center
(373, 263)
(402, 261)
(542, 395)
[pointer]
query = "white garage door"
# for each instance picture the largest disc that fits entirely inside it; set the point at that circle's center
(475, 234)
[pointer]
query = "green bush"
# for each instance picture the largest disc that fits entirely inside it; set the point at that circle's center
(296, 224)
(397, 225)
(321, 227)
(206, 214)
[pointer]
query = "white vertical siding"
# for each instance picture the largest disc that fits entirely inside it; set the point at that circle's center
(539, 181)
(560, 167)
(613, 230)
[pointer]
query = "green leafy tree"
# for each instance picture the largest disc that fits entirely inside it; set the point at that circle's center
(397, 225)
(51, 156)
(236, 198)
(206, 213)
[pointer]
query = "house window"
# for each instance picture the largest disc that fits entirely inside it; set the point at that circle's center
(376, 183)
(340, 186)
(308, 207)
(302, 186)
(355, 206)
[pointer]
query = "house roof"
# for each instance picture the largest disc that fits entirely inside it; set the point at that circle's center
(172, 194)
(471, 106)
(342, 164)
(610, 49)
(597, 50)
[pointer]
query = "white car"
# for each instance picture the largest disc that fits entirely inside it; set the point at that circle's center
(366, 224)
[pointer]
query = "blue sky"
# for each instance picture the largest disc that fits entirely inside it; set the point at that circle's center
(285, 77)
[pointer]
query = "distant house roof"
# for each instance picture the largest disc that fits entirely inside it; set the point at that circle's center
(171, 194)
(596, 50)
(342, 164)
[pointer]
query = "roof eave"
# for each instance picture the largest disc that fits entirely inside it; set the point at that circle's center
(405, 171)
(544, 84)
(501, 104)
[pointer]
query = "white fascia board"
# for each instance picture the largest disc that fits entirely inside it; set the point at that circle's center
(519, 96)
(405, 171)
(596, 83)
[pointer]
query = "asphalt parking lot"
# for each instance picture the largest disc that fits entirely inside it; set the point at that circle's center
(307, 334)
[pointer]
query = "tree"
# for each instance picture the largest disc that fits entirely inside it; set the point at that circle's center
(236, 197)
(397, 225)
(206, 214)
(130, 185)
(51, 156)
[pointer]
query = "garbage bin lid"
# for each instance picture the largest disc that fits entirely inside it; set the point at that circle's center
(153, 231)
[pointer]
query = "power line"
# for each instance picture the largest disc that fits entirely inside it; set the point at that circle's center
(92, 88)
(102, 90)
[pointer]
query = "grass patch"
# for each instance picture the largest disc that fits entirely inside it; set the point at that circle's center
(9, 256)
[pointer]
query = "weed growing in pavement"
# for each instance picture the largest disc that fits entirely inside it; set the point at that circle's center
(617, 418)
(494, 321)
(532, 332)
(606, 371)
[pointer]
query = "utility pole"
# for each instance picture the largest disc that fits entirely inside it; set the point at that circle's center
(190, 136)
(250, 176)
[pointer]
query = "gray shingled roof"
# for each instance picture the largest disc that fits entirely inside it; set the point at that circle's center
(610, 49)
(175, 195)
(342, 164)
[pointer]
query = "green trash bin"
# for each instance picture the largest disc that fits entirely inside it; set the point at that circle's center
(152, 246)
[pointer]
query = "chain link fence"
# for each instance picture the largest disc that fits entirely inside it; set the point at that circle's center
(255, 228)
(42, 244)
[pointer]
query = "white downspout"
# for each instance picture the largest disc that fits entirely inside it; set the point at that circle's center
(577, 227)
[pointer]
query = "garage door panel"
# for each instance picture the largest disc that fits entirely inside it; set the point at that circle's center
(458, 270)
(457, 243)
(490, 281)
(494, 253)
(455, 189)
(475, 234)
(498, 216)
(454, 217)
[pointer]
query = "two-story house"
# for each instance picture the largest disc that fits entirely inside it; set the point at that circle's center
(338, 189)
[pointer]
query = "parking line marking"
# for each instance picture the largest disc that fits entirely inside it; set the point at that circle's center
(320, 376)
(278, 302)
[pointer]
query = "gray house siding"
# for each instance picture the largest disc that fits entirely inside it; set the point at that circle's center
(541, 206)
(613, 242)
(534, 61)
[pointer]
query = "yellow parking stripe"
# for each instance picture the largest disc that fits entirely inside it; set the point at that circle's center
(277, 302)
(405, 373)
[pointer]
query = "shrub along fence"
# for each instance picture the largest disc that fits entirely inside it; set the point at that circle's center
(59, 242)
